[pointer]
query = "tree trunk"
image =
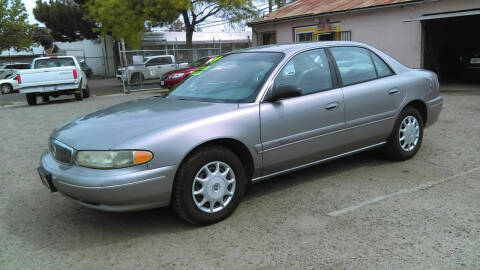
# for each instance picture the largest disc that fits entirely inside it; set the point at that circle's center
(189, 42)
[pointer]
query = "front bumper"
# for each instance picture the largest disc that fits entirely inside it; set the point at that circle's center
(127, 189)
(434, 107)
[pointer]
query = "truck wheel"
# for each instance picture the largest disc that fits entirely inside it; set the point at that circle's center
(79, 96)
(45, 98)
(86, 92)
(136, 78)
(32, 99)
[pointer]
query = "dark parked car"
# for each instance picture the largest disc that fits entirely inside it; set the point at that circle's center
(86, 69)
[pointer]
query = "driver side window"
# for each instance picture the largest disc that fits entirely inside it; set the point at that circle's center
(308, 71)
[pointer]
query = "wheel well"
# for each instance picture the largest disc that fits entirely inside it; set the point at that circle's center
(236, 147)
(421, 107)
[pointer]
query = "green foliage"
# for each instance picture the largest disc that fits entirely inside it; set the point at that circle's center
(14, 27)
(65, 19)
(129, 19)
(42, 36)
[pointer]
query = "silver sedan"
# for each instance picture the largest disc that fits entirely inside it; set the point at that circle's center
(247, 116)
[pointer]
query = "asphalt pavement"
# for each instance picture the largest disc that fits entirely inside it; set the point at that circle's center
(361, 212)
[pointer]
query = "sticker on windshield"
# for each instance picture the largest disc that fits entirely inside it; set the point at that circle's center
(205, 67)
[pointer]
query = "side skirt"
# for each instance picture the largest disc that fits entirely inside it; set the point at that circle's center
(258, 179)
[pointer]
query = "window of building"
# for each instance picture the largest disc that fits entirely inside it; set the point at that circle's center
(325, 36)
(303, 37)
(269, 38)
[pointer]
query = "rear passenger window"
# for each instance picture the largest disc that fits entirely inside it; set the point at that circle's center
(309, 71)
(383, 69)
(354, 63)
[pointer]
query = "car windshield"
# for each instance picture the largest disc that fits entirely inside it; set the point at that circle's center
(199, 62)
(54, 62)
(234, 78)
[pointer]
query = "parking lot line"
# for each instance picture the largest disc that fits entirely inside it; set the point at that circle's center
(400, 192)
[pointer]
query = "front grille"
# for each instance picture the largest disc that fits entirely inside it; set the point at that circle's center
(60, 152)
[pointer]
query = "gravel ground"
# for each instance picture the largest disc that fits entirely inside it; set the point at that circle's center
(282, 223)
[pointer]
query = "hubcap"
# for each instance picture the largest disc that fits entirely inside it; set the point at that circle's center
(409, 133)
(5, 89)
(213, 187)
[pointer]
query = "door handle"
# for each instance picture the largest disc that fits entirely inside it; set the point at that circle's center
(393, 91)
(332, 106)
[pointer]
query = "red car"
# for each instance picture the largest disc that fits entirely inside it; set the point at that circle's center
(171, 78)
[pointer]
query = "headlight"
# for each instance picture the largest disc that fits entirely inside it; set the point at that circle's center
(112, 159)
(176, 75)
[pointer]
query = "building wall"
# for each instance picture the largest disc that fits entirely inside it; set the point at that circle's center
(383, 28)
(98, 54)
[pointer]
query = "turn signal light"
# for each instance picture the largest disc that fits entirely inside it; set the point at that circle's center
(142, 156)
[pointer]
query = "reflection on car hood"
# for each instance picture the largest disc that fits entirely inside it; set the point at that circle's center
(106, 128)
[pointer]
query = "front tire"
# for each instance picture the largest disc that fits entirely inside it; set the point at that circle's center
(31, 99)
(407, 135)
(208, 186)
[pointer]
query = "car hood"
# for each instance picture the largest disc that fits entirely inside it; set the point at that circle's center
(104, 129)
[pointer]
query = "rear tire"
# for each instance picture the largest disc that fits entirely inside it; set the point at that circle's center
(224, 186)
(32, 99)
(86, 92)
(407, 135)
(45, 98)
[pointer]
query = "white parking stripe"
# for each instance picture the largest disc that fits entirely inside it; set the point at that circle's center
(400, 192)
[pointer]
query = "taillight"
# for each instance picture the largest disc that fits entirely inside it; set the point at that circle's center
(19, 79)
(75, 74)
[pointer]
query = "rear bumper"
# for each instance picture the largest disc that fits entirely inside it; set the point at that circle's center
(434, 108)
(49, 88)
(111, 190)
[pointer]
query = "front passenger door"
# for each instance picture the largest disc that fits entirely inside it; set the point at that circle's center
(300, 130)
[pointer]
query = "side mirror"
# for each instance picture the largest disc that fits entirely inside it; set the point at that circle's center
(283, 91)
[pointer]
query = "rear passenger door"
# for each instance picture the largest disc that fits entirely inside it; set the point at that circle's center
(372, 93)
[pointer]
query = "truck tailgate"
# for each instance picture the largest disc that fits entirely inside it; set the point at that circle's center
(46, 76)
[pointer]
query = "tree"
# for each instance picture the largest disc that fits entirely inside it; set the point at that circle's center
(198, 11)
(42, 36)
(176, 26)
(65, 19)
(129, 19)
(14, 27)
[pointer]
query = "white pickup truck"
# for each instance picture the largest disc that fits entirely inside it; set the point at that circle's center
(53, 76)
(153, 68)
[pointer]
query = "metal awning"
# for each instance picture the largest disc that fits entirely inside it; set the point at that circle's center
(444, 15)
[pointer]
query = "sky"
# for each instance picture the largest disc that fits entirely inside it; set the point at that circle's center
(29, 5)
(210, 27)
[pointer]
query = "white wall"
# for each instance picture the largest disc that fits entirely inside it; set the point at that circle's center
(382, 28)
(98, 54)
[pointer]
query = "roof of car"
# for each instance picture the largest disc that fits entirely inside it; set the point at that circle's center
(294, 47)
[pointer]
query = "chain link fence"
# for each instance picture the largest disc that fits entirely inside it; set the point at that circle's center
(142, 69)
